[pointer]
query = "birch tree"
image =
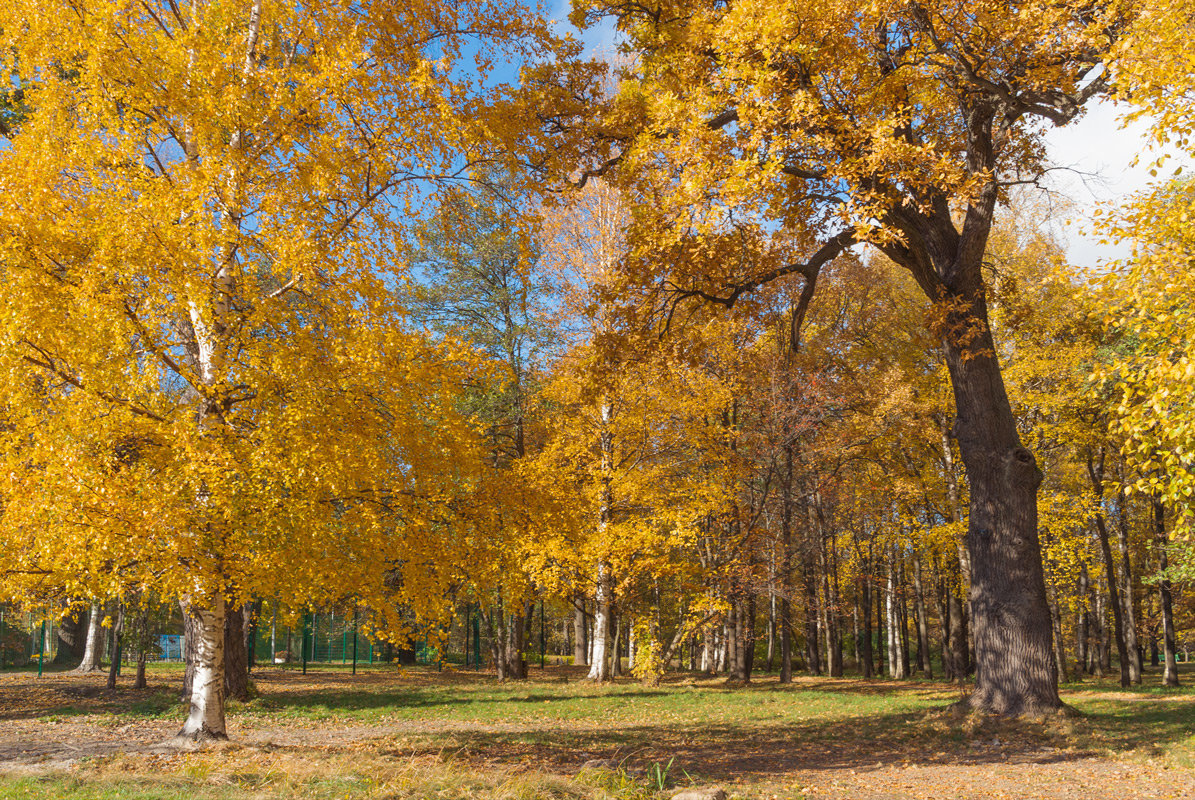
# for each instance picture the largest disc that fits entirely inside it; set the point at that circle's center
(208, 383)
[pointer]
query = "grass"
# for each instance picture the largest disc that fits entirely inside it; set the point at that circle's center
(391, 735)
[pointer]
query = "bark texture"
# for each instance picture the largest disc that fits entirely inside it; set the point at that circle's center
(206, 718)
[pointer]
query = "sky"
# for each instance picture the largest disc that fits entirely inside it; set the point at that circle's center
(1098, 153)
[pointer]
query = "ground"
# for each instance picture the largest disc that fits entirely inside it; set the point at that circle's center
(424, 734)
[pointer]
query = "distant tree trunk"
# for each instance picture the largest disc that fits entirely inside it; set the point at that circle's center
(142, 637)
(771, 626)
(864, 591)
(580, 640)
(1129, 614)
(812, 649)
(747, 633)
(1170, 672)
(71, 634)
(923, 660)
(1059, 642)
(252, 617)
(117, 631)
(1082, 622)
(786, 568)
(516, 628)
(190, 640)
(236, 659)
(615, 659)
(93, 644)
(1095, 470)
(941, 596)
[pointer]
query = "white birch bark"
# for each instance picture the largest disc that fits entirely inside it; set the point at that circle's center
(206, 718)
(93, 642)
(599, 663)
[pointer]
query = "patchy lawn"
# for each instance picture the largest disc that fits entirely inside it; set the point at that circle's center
(422, 734)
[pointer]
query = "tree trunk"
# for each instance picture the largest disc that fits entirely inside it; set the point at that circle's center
(923, 661)
(1095, 470)
(1170, 671)
(1082, 622)
(206, 717)
(1129, 614)
(71, 634)
(93, 644)
(117, 632)
(812, 650)
(865, 655)
(1014, 656)
(580, 640)
(786, 569)
(236, 659)
(599, 668)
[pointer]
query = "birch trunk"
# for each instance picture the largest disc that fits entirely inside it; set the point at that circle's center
(206, 718)
(94, 641)
(599, 668)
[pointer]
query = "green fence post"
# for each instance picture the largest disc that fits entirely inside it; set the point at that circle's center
(543, 639)
(371, 651)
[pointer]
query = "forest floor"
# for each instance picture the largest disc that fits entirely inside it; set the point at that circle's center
(418, 733)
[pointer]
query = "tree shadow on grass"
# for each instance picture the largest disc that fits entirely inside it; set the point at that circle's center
(732, 752)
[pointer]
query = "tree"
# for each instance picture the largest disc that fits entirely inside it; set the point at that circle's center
(209, 387)
(901, 125)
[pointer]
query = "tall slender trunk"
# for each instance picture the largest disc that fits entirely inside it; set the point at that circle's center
(206, 718)
(580, 629)
(117, 633)
(1129, 614)
(786, 568)
(1170, 672)
(1095, 470)
(923, 660)
(865, 654)
(1082, 622)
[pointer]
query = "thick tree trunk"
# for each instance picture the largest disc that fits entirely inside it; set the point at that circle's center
(236, 658)
(93, 644)
(71, 634)
(1170, 672)
(206, 718)
(1010, 618)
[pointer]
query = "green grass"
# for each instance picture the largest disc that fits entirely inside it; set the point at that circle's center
(386, 735)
